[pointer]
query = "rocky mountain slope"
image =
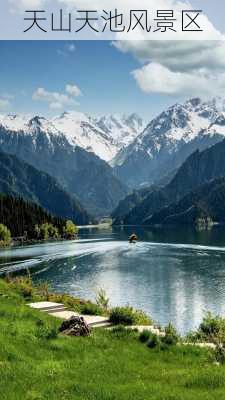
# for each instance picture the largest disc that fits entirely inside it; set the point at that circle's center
(105, 136)
(81, 173)
(169, 139)
(198, 169)
(20, 179)
(208, 201)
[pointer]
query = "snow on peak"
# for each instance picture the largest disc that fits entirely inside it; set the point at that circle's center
(178, 125)
(14, 122)
(123, 129)
(103, 136)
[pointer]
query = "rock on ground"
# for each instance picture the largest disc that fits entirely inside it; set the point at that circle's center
(75, 326)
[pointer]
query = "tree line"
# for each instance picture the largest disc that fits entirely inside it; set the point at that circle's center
(20, 218)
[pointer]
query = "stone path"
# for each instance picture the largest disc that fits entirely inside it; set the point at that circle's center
(96, 321)
(59, 310)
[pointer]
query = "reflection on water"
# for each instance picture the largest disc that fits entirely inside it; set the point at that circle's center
(173, 275)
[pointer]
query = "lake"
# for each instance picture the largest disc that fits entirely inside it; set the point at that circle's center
(172, 274)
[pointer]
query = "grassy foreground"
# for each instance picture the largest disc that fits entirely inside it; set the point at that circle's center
(36, 365)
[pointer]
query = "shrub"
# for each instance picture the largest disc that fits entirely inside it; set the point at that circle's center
(144, 336)
(154, 341)
(24, 285)
(53, 231)
(90, 309)
(46, 231)
(102, 300)
(212, 329)
(171, 336)
(43, 290)
(220, 354)
(70, 230)
(128, 316)
(211, 325)
(5, 235)
(122, 315)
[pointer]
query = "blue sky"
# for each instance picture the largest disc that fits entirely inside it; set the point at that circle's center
(98, 69)
(49, 77)
(98, 77)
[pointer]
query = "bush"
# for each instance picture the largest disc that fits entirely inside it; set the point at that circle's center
(70, 230)
(46, 231)
(90, 309)
(212, 329)
(144, 336)
(128, 316)
(23, 285)
(171, 336)
(122, 315)
(43, 290)
(154, 341)
(5, 235)
(102, 300)
(220, 354)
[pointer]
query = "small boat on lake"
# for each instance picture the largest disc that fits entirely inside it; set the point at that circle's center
(133, 238)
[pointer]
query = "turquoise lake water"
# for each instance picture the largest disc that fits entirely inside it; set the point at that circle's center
(174, 275)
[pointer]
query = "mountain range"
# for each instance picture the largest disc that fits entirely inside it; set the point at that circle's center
(105, 136)
(98, 161)
(197, 182)
(207, 201)
(81, 173)
(169, 139)
(21, 180)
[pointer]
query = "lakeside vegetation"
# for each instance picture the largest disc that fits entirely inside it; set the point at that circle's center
(28, 221)
(39, 364)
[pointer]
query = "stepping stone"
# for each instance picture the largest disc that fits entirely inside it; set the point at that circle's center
(95, 320)
(45, 305)
(102, 325)
(58, 310)
(149, 328)
(141, 328)
(64, 314)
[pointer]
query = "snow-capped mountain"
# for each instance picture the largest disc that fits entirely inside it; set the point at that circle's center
(123, 129)
(38, 142)
(104, 136)
(169, 139)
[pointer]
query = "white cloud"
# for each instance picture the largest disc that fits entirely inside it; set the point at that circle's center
(58, 100)
(73, 90)
(178, 67)
(155, 78)
(178, 55)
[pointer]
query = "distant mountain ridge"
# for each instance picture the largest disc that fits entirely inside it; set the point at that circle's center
(104, 136)
(169, 139)
(208, 200)
(81, 173)
(20, 179)
(74, 148)
(199, 169)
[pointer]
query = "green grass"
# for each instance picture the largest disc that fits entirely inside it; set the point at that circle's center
(105, 366)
